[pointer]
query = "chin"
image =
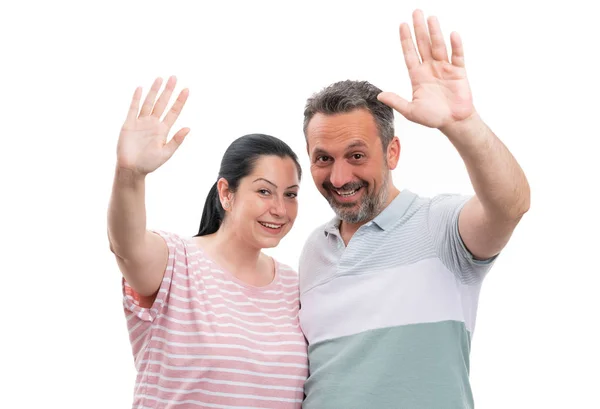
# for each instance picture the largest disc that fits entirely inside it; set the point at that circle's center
(268, 243)
(266, 240)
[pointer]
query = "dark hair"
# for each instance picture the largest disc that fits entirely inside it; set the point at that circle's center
(346, 96)
(238, 162)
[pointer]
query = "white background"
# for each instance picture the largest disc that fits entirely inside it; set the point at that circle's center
(69, 70)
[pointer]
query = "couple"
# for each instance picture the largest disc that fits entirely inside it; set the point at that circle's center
(383, 309)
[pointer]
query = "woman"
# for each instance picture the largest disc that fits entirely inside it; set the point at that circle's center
(213, 322)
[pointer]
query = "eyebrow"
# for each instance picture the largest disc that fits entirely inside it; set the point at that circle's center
(319, 151)
(353, 145)
(357, 144)
(271, 183)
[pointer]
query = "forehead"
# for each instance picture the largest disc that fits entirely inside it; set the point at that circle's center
(337, 131)
(275, 169)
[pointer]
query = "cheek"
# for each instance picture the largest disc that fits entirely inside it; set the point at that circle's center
(292, 211)
(368, 172)
(249, 210)
(257, 208)
(319, 175)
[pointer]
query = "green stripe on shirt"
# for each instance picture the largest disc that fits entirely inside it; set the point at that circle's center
(417, 366)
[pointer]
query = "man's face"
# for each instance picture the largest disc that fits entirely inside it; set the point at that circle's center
(348, 163)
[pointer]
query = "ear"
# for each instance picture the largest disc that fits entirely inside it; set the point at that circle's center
(225, 195)
(393, 153)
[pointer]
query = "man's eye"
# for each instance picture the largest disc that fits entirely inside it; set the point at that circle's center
(358, 156)
(322, 158)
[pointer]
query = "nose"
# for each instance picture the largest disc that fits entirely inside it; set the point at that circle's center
(340, 174)
(278, 207)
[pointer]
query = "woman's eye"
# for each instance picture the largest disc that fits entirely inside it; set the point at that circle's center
(264, 192)
(292, 195)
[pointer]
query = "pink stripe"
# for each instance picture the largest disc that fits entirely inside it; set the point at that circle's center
(242, 388)
(188, 365)
(273, 379)
(205, 294)
(196, 356)
(253, 321)
(202, 395)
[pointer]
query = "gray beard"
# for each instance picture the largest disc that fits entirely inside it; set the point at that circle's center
(370, 205)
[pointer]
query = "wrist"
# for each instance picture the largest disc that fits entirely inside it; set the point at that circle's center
(464, 126)
(469, 132)
(128, 177)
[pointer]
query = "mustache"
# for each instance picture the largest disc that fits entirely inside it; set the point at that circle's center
(348, 186)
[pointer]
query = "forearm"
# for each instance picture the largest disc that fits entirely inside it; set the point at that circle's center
(127, 214)
(498, 180)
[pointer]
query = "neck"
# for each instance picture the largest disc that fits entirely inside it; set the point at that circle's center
(247, 265)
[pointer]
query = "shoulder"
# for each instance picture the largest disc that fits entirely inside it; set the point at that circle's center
(168, 236)
(315, 241)
(318, 234)
(439, 198)
(286, 275)
(448, 199)
(178, 245)
(442, 202)
(284, 268)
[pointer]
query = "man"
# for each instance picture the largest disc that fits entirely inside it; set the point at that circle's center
(389, 288)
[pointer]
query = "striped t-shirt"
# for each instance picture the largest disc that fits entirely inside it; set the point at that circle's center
(389, 318)
(211, 341)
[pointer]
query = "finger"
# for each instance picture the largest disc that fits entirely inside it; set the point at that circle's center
(175, 110)
(396, 102)
(458, 53)
(422, 35)
(408, 47)
(438, 46)
(165, 96)
(135, 105)
(149, 101)
(176, 141)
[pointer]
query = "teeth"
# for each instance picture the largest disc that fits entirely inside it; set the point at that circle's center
(270, 225)
(346, 194)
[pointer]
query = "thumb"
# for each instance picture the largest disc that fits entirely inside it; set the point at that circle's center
(176, 141)
(396, 102)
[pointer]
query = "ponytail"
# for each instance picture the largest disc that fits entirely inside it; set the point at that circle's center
(213, 213)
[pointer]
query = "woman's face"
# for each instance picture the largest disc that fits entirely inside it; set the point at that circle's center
(264, 207)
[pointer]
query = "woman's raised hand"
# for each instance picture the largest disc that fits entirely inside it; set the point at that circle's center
(143, 145)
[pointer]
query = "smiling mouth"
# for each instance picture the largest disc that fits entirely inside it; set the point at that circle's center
(272, 226)
(346, 193)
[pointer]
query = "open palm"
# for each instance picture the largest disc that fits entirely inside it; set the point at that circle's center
(441, 91)
(143, 145)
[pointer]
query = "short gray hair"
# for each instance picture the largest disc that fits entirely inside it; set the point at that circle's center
(346, 96)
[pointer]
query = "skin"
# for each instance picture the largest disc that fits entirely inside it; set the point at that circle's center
(267, 195)
(142, 148)
(346, 152)
(442, 100)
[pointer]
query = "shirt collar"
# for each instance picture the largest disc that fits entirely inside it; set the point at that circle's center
(384, 220)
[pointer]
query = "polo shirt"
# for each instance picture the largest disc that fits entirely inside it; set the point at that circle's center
(389, 318)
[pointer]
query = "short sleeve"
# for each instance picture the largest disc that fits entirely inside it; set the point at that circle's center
(143, 307)
(442, 223)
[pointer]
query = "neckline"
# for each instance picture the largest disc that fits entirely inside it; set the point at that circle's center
(230, 276)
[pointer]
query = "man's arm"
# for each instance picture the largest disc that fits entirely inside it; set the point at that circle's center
(442, 99)
(502, 192)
